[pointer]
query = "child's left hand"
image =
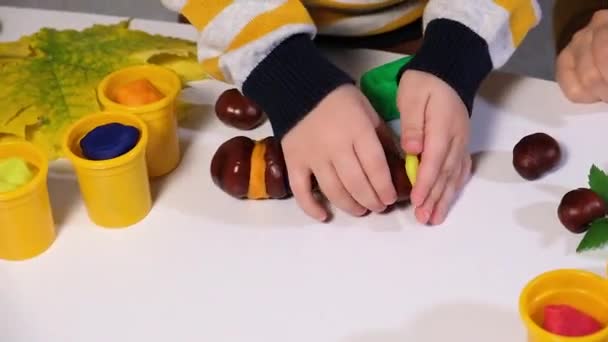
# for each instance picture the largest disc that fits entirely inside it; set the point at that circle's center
(435, 125)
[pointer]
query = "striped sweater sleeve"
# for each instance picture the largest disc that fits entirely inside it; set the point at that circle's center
(266, 49)
(464, 40)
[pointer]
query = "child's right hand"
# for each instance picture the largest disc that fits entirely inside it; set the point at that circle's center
(582, 66)
(337, 142)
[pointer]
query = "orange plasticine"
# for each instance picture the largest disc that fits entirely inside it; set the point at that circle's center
(137, 93)
(257, 174)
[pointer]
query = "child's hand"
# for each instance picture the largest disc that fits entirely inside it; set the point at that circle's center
(338, 144)
(582, 66)
(435, 124)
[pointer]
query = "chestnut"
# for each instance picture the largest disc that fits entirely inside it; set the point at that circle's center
(231, 166)
(236, 110)
(399, 177)
(248, 169)
(536, 154)
(578, 208)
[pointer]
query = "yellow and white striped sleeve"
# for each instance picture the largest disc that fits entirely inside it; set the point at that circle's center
(265, 48)
(364, 18)
(464, 40)
(503, 24)
(235, 35)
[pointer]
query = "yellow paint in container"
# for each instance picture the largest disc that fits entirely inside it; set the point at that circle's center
(116, 191)
(27, 228)
(163, 150)
(585, 291)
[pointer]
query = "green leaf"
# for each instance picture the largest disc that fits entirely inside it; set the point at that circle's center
(596, 237)
(598, 182)
(48, 79)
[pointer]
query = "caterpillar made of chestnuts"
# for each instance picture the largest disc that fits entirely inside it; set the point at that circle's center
(255, 169)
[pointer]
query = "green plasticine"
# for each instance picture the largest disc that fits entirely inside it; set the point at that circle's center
(380, 86)
(14, 173)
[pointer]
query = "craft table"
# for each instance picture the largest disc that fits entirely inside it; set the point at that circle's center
(205, 267)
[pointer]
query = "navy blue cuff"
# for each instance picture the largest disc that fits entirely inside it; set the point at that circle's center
(291, 81)
(455, 54)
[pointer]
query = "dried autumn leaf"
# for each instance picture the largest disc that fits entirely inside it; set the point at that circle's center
(48, 79)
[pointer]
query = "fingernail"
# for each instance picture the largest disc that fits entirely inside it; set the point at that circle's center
(412, 146)
(423, 216)
(426, 215)
(391, 200)
(437, 220)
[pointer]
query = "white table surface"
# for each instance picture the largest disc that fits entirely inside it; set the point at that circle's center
(205, 267)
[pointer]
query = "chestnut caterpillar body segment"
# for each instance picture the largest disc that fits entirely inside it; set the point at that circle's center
(275, 176)
(231, 165)
(250, 169)
(255, 169)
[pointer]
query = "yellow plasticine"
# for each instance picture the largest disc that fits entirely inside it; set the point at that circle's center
(411, 167)
(257, 173)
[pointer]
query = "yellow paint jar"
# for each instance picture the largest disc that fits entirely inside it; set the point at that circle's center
(26, 219)
(582, 290)
(163, 151)
(116, 191)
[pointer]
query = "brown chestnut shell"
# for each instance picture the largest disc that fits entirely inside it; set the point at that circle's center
(401, 182)
(231, 166)
(276, 170)
(578, 208)
(236, 110)
(536, 154)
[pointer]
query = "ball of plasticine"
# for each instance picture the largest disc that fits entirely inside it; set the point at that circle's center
(137, 93)
(380, 86)
(565, 320)
(109, 141)
(14, 173)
